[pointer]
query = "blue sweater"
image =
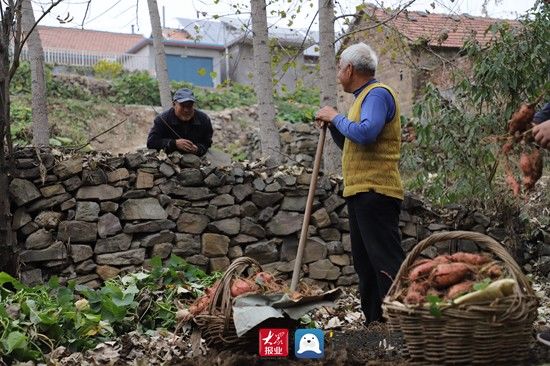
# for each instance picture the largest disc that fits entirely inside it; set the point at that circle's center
(377, 109)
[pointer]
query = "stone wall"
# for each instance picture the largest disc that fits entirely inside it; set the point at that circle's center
(92, 217)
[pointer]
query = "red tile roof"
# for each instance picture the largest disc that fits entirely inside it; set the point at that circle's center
(442, 30)
(86, 40)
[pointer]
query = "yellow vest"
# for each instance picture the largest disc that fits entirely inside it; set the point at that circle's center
(374, 166)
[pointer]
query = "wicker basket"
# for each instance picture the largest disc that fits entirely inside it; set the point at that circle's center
(498, 332)
(217, 326)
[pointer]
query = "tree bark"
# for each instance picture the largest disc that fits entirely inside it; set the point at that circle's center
(263, 84)
(327, 82)
(160, 55)
(40, 126)
(8, 259)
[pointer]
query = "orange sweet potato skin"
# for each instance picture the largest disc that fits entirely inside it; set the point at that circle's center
(469, 258)
(459, 289)
(448, 274)
(416, 293)
(521, 118)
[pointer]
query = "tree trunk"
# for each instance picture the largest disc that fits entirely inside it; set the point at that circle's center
(160, 55)
(263, 84)
(40, 126)
(8, 260)
(327, 82)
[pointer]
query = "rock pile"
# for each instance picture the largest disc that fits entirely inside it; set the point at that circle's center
(92, 217)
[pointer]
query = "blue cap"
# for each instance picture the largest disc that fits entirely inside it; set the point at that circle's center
(184, 95)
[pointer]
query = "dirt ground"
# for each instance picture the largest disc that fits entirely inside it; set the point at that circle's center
(347, 342)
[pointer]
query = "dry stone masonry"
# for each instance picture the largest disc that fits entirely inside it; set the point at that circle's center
(90, 218)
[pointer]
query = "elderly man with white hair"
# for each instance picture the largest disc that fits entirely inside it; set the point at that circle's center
(370, 137)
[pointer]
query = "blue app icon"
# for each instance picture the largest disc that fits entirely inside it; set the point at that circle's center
(309, 343)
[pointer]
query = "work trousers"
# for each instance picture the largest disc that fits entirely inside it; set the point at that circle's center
(375, 246)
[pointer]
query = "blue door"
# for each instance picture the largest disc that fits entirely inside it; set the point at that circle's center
(193, 69)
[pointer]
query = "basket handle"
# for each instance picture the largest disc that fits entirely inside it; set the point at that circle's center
(486, 242)
(224, 288)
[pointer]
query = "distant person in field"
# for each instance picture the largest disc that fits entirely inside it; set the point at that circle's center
(370, 137)
(541, 131)
(182, 127)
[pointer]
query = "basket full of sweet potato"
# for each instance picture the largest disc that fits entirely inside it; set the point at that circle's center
(212, 312)
(470, 308)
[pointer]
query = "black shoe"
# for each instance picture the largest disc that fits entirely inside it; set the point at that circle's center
(544, 337)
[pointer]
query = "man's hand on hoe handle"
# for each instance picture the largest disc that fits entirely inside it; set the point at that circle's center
(324, 116)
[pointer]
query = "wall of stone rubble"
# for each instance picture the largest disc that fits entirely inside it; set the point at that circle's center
(92, 217)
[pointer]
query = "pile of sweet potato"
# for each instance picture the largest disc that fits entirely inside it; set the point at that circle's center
(448, 276)
(261, 282)
(520, 138)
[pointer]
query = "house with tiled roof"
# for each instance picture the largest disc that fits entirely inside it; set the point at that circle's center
(82, 47)
(413, 46)
(237, 63)
(86, 40)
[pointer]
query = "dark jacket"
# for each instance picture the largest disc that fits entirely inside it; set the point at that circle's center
(542, 115)
(199, 131)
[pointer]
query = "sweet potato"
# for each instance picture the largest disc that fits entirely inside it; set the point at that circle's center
(459, 289)
(469, 258)
(212, 289)
(513, 183)
(525, 164)
(414, 298)
(493, 270)
(535, 159)
(448, 274)
(507, 147)
(416, 293)
(422, 268)
(264, 278)
(521, 118)
(200, 305)
(242, 286)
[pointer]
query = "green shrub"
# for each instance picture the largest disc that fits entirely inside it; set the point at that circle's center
(21, 81)
(222, 97)
(35, 320)
(293, 112)
(107, 69)
(454, 157)
(21, 119)
(59, 88)
(136, 87)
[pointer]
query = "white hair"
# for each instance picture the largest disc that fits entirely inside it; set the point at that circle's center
(361, 57)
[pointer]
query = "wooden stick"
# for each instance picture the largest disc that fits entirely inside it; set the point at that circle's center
(309, 205)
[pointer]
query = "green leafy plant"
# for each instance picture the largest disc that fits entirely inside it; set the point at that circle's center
(482, 285)
(136, 87)
(35, 320)
(435, 302)
(21, 81)
(21, 119)
(453, 157)
(225, 95)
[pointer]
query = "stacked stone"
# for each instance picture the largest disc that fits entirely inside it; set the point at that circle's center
(298, 140)
(90, 218)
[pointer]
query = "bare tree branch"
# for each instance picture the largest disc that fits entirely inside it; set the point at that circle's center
(19, 47)
(377, 23)
(300, 50)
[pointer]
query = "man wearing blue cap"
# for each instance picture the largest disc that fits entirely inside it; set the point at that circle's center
(181, 127)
